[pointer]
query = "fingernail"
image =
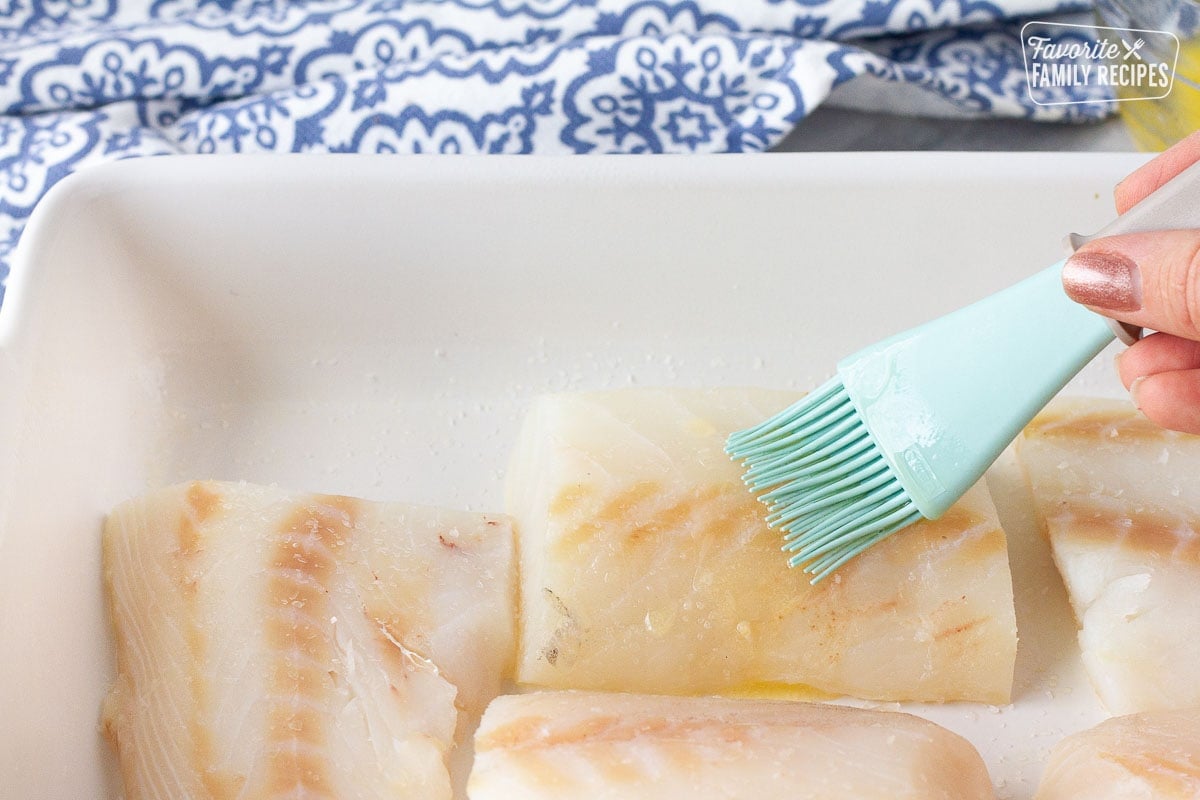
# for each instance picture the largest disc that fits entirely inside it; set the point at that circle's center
(1103, 280)
(1133, 391)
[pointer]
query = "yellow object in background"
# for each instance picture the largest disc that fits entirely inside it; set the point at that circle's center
(1156, 123)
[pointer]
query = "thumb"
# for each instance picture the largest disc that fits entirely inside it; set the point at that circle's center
(1147, 279)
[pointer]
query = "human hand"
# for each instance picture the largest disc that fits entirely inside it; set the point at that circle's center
(1152, 280)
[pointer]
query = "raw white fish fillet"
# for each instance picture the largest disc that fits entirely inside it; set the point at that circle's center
(1120, 500)
(1154, 755)
(555, 745)
(294, 647)
(647, 566)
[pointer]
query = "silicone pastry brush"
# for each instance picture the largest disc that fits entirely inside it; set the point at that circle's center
(907, 425)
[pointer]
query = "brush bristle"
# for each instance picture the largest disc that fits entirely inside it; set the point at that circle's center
(823, 480)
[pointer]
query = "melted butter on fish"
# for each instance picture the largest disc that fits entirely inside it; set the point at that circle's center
(1154, 754)
(300, 646)
(1120, 500)
(647, 566)
(551, 745)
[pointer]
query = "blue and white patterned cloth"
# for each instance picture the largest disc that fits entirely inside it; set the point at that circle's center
(84, 81)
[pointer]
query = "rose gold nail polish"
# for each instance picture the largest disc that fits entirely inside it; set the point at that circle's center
(1103, 280)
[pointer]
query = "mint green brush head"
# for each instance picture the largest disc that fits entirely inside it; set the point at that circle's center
(909, 424)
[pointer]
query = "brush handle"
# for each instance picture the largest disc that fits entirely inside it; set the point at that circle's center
(1173, 206)
(943, 400)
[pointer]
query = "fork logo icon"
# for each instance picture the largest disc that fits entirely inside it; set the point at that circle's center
(1132, 49)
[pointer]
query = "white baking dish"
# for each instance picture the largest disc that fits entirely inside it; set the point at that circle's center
(376, 326)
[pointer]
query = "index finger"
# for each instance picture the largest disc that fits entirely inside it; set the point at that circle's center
(1154, 173)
